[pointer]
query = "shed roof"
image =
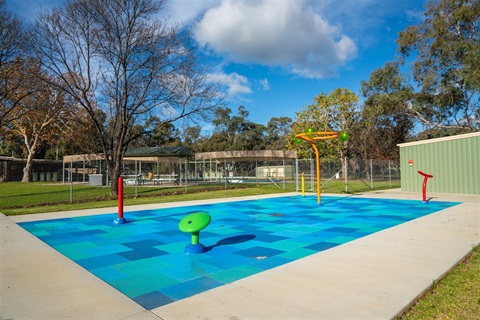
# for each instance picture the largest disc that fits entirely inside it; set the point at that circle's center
(459, 136)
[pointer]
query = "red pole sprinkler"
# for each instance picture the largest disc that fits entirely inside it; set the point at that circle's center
(120, 218)
(424, 187)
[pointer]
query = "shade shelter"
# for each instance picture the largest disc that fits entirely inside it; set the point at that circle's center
(137, 157)
(245, 165)
(247, 155)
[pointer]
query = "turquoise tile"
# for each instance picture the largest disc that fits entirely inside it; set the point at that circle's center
(189, 288)
(105, 249)
(341, 239)
(108, 273)
(75, 251)
(234, 274)
(142, 283)
(174, 247)
(143, 265)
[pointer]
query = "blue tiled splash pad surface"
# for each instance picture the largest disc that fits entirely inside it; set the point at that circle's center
(144, 258)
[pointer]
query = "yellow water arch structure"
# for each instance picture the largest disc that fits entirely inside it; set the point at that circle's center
(310, 135)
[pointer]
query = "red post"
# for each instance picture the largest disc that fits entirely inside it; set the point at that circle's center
(424, 187)
(120, 218)
(120, 198)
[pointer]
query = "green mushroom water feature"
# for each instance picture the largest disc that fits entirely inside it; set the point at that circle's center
(194, 223)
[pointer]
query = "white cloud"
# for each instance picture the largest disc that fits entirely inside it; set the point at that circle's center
(264, 84)
(275, 33)
(236, 84)
(187, 11)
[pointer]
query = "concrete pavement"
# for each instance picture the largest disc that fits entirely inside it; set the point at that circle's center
(375, 277)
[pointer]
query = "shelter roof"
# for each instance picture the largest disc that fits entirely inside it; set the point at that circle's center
(247, 155)
(179, 151)
(143, 154)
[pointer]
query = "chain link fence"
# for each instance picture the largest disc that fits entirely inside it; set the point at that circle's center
(77, 178)
(350, 175)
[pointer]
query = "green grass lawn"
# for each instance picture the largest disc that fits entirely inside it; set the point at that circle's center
(456, 296)
(18, 198)
(36, 197)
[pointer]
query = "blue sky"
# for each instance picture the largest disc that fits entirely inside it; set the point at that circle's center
(275, 56)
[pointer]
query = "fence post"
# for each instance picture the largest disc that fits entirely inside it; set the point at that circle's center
(303, 184)
(225, 172)
(186, 175)
(371, 174)
(296, 175)
(70, 178)
(312, 174)
(136, 180)
(389, 174)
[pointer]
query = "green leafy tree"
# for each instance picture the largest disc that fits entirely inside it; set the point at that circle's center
(235, 132)
(192, 138)
(278, 132)
(337, 111)
(155, 133)
(446, 52)
(384, 114)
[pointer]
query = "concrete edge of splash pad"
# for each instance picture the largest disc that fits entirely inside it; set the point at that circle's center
(373, 277)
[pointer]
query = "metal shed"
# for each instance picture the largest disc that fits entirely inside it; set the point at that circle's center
(453, 161)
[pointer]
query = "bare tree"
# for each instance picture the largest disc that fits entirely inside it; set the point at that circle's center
(113, 56)
(10, 64)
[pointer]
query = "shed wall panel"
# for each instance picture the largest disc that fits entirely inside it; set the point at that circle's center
(453, 163)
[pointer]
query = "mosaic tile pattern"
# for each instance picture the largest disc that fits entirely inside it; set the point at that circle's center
(144, 258)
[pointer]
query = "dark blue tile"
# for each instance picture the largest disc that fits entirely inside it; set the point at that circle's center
(269, 238)
(320, 246)
(142, 254)
(152, 300)
(166, 233)
(87, 233)
(101, 261)
(142, 244)
(341, 230)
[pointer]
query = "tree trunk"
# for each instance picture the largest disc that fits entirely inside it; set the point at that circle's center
(31, 152)
(115, 169)
(28, 168)
(114, 181)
